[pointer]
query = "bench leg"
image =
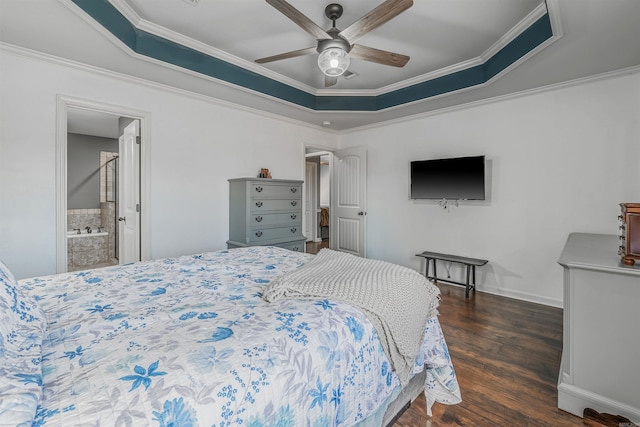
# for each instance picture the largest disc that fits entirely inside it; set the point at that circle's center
(473, 275)
(466, 293)
(435, 275)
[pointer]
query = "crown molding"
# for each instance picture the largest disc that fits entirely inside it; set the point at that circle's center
(36, 55)
(160, 31)
(491, 100)
(10, 49)
(501, 43)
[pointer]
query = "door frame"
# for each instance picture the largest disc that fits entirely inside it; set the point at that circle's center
(312, 191)
(63, 103)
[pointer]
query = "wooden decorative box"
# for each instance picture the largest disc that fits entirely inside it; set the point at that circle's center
(630, 232)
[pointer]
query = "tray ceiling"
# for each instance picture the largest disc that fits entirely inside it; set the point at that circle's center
(461, 51)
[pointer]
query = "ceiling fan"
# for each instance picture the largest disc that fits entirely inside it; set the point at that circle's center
(336, 47)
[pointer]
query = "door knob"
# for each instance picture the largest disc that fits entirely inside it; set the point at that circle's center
(122, 218)
(361, 213)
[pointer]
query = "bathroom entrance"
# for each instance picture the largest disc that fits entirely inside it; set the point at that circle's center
(99, 211)
(317, 200)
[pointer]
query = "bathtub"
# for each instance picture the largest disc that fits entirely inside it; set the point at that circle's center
(74, 234)
(87, 250)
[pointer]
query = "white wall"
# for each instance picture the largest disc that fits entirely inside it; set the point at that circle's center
(560, 161)
(196, 145)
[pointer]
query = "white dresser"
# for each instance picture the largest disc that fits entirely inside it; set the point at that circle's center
(601, 354)
(265, 212)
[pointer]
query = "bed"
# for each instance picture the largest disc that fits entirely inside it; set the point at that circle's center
(190, 341)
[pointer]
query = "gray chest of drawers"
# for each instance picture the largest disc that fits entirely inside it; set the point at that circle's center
(265, 212)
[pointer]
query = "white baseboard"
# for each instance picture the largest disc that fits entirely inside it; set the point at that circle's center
(521, 296)
(575, 399)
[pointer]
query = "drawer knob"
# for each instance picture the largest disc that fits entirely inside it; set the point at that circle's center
(293, 203)
(293, 229)
(259, 189)
(259, 218)
(259, 204)
(294, 216)
(294, 189)
(259, 233)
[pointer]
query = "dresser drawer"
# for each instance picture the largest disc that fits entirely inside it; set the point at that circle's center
(260, 190)
(265, 205)
(297, 246)
(285, 218)
(258, 235)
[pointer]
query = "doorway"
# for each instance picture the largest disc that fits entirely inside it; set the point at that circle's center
(342, 190)
(92, 189)
(318, 163)
(94, 172)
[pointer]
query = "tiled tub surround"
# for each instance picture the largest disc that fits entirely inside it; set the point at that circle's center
(88, 250)
(81, 218)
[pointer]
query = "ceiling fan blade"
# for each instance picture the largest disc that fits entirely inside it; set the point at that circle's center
(330, 80)
(379, 56)
(378, 16)
(286, 55)
(296, 16)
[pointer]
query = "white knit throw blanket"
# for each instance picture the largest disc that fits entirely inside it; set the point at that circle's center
(397, 300)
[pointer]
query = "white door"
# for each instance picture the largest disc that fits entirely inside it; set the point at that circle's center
(348, 201)
(129, 195)
(310, 210)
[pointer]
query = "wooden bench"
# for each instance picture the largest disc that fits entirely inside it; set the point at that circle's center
(470, 263)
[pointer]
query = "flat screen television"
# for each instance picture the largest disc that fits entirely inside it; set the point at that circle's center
(458, 178)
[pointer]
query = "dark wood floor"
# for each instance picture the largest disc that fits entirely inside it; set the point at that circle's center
(506, 354)
(314, 247)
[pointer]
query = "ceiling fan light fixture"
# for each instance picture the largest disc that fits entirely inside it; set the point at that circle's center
(333, 61)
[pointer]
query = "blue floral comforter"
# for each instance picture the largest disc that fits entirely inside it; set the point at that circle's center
(189, 341)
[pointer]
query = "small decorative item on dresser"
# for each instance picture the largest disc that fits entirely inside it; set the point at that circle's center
(264, 173)
(630, 233)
